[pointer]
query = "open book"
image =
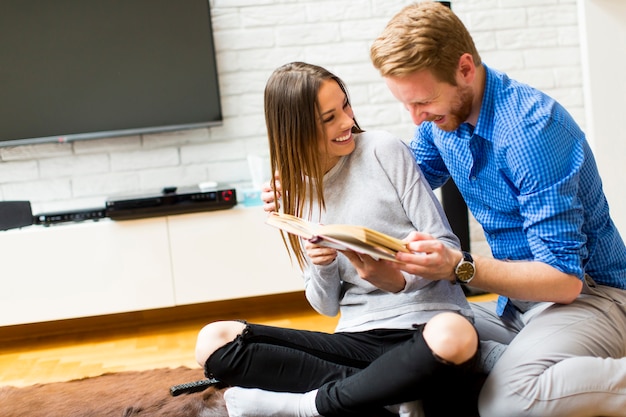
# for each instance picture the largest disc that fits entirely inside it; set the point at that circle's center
(340, 236)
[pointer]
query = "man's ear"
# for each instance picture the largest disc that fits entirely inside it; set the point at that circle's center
(467, 69)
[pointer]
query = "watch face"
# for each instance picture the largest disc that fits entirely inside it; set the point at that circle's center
(465, 271)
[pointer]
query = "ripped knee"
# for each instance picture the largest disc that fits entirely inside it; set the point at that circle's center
(451, 337)
(215, 335)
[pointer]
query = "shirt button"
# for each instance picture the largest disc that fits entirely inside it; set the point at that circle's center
(473, 178)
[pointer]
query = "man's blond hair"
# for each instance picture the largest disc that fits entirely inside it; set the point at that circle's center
(423, 36)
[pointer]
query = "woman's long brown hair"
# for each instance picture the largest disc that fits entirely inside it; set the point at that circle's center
(292, 117)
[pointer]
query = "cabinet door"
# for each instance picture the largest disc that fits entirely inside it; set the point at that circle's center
(84, 269)
(228, 254)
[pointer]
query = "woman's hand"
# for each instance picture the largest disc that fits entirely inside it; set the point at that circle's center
(379, 273)
(267, 195)
(320, 255)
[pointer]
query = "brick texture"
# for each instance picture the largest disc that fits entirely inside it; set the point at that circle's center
(535, 41)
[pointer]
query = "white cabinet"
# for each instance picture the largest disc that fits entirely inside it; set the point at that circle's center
(105, 267)
(228, 254)
(77, 270)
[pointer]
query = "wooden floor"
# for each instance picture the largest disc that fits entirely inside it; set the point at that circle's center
(71, 349)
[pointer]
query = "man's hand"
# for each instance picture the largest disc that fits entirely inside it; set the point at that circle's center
(428, 257)
(378, 273)
(524, 280)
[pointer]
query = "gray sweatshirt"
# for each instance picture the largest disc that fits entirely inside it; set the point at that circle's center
(380, 186)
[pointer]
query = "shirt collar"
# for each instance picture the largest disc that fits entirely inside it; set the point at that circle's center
(486, 117)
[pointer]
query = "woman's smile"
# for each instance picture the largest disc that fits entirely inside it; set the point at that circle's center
(344, 138)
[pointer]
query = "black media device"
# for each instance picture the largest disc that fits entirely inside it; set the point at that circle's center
(170, 201)
(48, 219)
(192, 387)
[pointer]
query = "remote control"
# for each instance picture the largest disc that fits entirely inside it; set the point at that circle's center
(191, 387)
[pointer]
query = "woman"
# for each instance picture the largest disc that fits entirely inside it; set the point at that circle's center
(398, 333)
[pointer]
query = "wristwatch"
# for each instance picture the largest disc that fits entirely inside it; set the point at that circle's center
(465, 270)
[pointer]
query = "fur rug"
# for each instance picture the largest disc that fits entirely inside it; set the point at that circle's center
(147, 394)
(123, 394)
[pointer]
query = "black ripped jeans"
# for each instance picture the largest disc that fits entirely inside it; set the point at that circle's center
(356, 373)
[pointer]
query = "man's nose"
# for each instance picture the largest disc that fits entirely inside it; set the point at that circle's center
(418, 115)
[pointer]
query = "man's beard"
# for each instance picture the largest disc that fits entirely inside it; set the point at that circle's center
(460, 110)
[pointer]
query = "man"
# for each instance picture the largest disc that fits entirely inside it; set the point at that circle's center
(527, 174)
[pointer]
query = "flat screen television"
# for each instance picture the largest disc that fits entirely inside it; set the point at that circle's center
(85, 69)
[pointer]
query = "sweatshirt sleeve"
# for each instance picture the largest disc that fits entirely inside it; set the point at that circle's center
(414, 282)
(420, 204)
(322, 288)
(417, 197)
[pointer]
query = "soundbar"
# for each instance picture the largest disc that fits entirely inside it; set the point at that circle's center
(170, 201)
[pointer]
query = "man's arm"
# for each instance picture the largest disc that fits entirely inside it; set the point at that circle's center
(524, 280)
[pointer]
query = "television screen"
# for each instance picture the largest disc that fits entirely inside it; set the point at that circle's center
(83, 69)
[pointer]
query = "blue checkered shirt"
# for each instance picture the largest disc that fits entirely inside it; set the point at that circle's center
(529, 177)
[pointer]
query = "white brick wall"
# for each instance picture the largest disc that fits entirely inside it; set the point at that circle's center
(534, 40)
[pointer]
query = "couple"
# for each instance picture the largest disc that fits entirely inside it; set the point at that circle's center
(527, 174)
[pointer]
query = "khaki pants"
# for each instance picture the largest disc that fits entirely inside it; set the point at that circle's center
(562, 360)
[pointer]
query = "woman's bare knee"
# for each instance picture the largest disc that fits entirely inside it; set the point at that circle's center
(215, 335)
(451, 337)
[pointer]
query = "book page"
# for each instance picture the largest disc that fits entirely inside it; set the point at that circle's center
(291, 224)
